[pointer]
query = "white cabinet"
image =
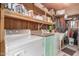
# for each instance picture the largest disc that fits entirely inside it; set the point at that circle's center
(51, 46)
(31, 49)
(34, 49)
(18, 43)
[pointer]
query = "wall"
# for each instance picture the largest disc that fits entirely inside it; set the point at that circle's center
(10, 23)
(72, 10)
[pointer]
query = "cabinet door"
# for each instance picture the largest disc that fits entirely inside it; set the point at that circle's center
(47, 46)
(50, 46)
(55, 45)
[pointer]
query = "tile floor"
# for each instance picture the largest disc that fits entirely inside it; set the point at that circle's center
(61, 53)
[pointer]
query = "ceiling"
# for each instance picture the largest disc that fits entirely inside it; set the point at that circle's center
(58, 6)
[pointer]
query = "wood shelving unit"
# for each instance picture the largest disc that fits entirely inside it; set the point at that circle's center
(12, 14)
(14, 20)
(44, 11)
(32, 6)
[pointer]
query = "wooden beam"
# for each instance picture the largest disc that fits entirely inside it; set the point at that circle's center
(2, 42)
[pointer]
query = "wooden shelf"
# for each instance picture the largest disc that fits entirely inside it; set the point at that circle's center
(44, 11)
(12, 14)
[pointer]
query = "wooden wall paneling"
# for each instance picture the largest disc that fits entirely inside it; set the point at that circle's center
(20, 24)
(32, 25)
(15, 24)
(39, 26)
(11, 24)
(28, 25)
(6, 24)
(2, 40)
(36, 26)
(28, 6)
(44, 26)
(24, 25)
